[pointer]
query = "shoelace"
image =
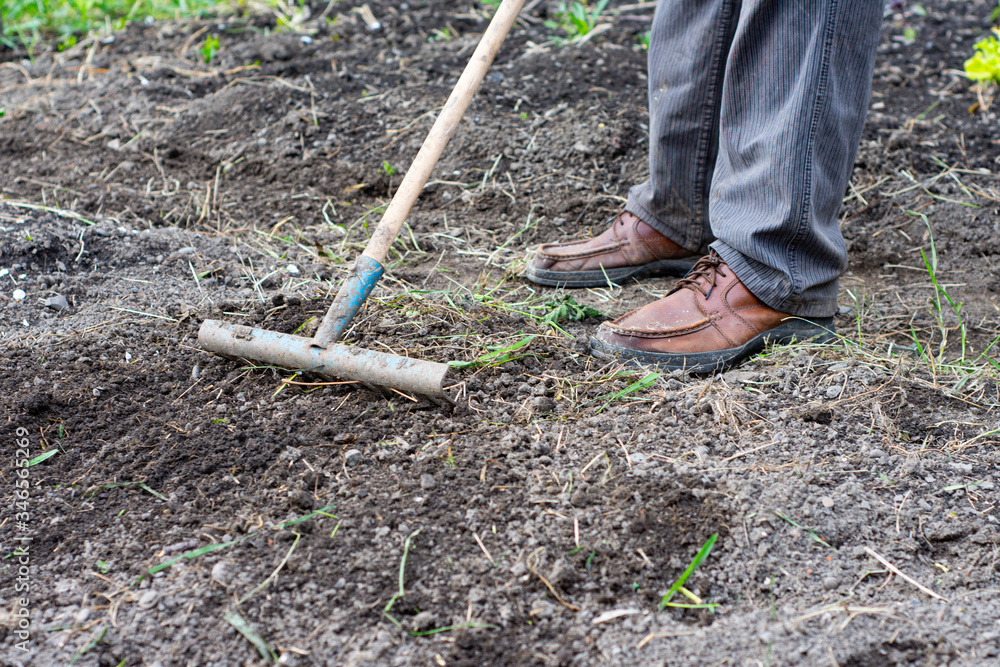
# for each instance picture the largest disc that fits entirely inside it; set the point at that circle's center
(708, 268)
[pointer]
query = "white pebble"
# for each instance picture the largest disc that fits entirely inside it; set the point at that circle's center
(19, 295)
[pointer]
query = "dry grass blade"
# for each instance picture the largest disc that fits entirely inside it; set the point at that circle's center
(552, 589)
(895, 570)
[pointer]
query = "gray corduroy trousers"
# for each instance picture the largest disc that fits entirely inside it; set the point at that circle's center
(756, 111)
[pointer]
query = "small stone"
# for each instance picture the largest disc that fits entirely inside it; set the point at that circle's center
(195, 372)
(57, 302)
(820, 414)
(425, 620)
(148, 599)
(833, 391)
(827, 501)
(945, 531)
(900, 139)
(81, 617)
(300, 499)
(181, 252)
(830, 583)
(543, 404)
(222, 573)
(353, 457)
(427, 482)
(19, 295)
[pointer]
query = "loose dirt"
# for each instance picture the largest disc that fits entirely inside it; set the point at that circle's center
(195, 510)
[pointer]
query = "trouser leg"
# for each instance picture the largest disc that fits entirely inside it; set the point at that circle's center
(688, 47)
(793, 105)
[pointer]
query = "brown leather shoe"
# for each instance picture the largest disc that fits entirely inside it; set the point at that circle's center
(627, 249)
(709, 321)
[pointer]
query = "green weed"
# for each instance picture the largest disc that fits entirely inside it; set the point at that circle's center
(209, 48)
(28, 22)
(45, 456)
(302, 326)
(984, 66)
(209, 548)
(811, 533)
(564, 309)
(401, 593)
(249, 633)
(290, 15)
(150, 491)
(497, 356)
(645, 382)
(643, 39)
(445, 34)
(576, 19)
(931, 265)
(678, 586)
(98, 636)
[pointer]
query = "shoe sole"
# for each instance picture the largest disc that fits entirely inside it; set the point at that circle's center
(821, 330)
(601, 278)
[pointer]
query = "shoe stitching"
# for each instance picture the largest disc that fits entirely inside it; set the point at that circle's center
(716, 317)
(725, 300)
(618, 330)
(617, 245)
(638, 237)
(602, 250)
(620, 241)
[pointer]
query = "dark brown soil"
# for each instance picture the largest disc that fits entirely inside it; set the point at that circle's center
(542, 519)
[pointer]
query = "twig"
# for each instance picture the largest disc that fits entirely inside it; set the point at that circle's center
(552, 589)
(895, 570)
(483, 547)
(744, 453)
(262, 585)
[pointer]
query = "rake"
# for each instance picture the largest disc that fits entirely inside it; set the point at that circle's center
(322, 354)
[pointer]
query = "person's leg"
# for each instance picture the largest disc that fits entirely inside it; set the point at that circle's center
(664, 227)
(688, 48)
(793, 107)
(794, 100)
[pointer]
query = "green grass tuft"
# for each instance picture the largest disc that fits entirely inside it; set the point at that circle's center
(27, 23)
(678, 586)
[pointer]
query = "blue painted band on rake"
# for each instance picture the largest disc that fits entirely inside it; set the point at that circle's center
(353, 293)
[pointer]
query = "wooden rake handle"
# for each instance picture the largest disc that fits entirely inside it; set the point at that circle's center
(430, 152)
(368, 267)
